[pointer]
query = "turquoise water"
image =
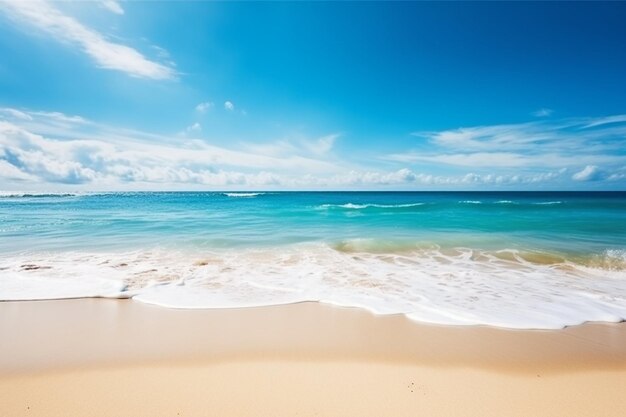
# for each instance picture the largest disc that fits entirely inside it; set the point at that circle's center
(291, 246)
(578, 223)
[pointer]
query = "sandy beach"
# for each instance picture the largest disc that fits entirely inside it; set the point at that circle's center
(312, 208)
(118, 357)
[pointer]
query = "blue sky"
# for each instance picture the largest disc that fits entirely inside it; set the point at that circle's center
(128, 95)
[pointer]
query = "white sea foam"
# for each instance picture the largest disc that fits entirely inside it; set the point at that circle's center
(454, 286)
(16, 285)
(248, 195)
(470, 202)
(505, 202)
(369, 205)
(548, 203)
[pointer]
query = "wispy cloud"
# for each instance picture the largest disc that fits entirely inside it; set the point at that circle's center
(42, 148)
(228, 105)
(57, 117)
(112, 6)
(204, 106)
(564, 143)
(297, 145)
(106, 54)
(193, 129)
(543, 112)
(27, 157)
(489, 160)
(16, 113)
(79, 151)
(601, 121)
(324, 144)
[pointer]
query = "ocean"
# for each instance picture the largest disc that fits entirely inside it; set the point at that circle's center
(510, 259)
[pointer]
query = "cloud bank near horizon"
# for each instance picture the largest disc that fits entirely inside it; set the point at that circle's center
(40, 149)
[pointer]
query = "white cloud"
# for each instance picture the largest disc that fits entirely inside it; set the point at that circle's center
(600, 121)
(106, 54)
(60, 117)
(406, 176)
(194, 128)
(502, 159)
(297, 145)
(14, 113)
(228, 105)
(524, 136)
(494, 159)
(543, 112)
(324, 144)
(11, 172)
(540, 144)
(618, 176)
(26, 156)
(112, 6)
(589, 173)
(25, 152)
(278, 148)
(204, 106)
(48, 148)
(88, 153)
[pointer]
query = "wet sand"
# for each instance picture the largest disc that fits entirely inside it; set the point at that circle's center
(96, 357)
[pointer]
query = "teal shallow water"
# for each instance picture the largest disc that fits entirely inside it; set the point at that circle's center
(578, 223)
(540, 260)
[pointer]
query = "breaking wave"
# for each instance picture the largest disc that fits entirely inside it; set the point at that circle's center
(459, 286)
(244, 195)
(351, 206)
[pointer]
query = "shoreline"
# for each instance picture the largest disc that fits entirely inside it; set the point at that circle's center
(102, 357)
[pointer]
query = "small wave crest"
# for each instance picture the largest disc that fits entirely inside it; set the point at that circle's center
(470, 202)
(352, 206)
(547, 203)
(243, 195)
